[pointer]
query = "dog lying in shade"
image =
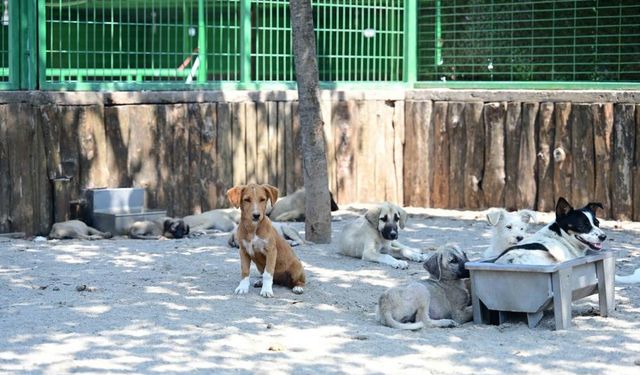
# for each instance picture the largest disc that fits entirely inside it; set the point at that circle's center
(223, 220)
(443, 300)
(162, 228)
(76, 229)
(374, 237)
(292, 207)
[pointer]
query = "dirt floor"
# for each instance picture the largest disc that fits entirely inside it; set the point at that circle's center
(129, 306)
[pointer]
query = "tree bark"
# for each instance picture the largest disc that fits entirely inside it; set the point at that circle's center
(317, 207)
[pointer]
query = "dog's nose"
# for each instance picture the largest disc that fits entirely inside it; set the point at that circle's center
(519, 238)
(602, 237)
(256, 215)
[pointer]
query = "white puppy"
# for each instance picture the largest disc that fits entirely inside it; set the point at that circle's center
(509, 228)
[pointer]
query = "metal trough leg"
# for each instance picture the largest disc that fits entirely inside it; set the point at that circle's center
(534, 318)
(561, 284)
(605, 270)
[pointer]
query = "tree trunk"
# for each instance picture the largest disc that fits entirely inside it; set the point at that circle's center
(317, 207)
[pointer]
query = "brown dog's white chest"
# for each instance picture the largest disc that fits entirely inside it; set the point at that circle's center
(257, 244)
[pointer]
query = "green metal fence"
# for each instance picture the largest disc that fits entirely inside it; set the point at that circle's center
(548, 42)
(181, 44)
(213, 43)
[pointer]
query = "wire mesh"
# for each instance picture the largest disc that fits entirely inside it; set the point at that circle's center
(509, 40)
(356, 40)
(139, 40)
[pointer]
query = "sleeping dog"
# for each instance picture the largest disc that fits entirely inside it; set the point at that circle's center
(165, 227)
(292, 207)
(570, 236)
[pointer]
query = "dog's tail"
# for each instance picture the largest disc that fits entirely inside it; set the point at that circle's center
(387, 319)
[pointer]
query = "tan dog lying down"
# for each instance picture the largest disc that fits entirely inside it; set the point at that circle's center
(292, 207)
(223, 220)
(259, 242)
(76, 229)
(165, 227)
(443, 300)
(373, 237)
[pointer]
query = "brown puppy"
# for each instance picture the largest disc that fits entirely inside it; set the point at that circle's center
(259, 242)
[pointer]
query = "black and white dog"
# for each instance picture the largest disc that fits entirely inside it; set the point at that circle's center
(569, 236)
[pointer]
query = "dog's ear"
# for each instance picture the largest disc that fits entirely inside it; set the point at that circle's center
(593, 206)
(432, 265)
(334, 205)
(562, 207)
(187, 229)
(494, 216)
(403, 216)
(373, 215)
(272, 192)
(235, 194)
(166, 226)
(527, 216)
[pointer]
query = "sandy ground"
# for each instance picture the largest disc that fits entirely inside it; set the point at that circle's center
(168, 307)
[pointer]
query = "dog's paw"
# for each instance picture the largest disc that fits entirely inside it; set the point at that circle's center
(266, 292)
(298, 289)
(419, 257)
(448, 323)
(401, 264)
(243, 287)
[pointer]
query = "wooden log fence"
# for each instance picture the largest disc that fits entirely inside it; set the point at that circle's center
(461, 154)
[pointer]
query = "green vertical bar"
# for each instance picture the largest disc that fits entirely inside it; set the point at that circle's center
(410, 42)
(15, 49)
(28, 55)
(202, 43)
(245, 41)
(42, 41)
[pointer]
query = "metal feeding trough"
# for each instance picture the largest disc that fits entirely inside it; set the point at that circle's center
(500, 289)
(114, 210)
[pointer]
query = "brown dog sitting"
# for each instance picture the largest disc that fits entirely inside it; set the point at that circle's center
(259, 242)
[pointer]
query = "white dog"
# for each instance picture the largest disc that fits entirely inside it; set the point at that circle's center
(509, 228)
(373, 237)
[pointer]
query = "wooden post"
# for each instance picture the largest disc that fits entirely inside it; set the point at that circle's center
(546, 132)
(494, 174)
(398, 149)
(636, 169)
(622, 158)
(457, 145)
(512, 139)
(602, 131)
(474, 155)
(225, 153)
(61, 199)
(5, 182)
(207, 123)
(562, 157)
(417, 158)
(526, 185)
(345, 146)
(440, 185)
(581, 122)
